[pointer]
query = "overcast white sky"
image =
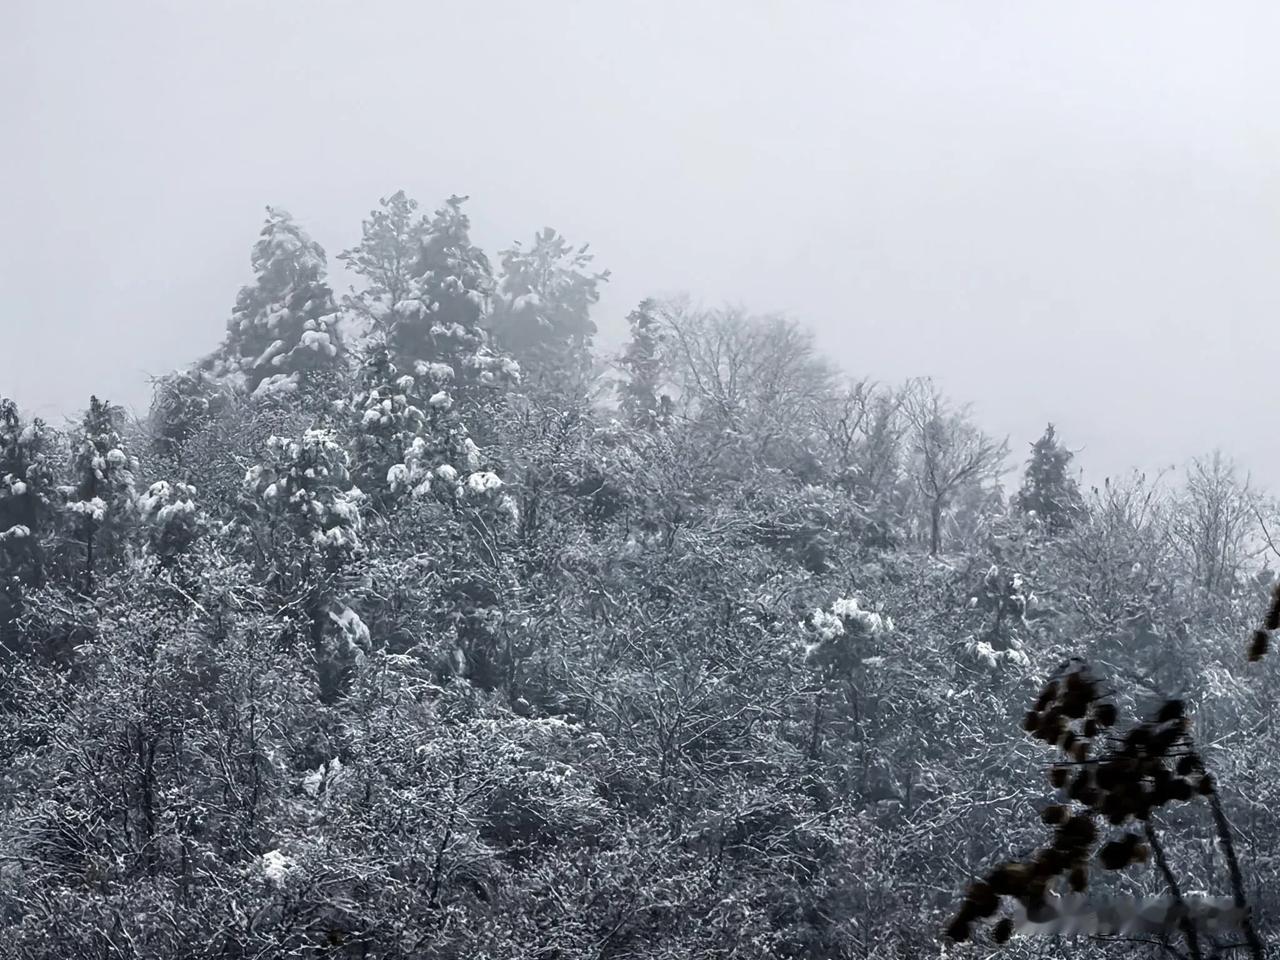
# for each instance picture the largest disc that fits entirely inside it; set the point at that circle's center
(1064, 211)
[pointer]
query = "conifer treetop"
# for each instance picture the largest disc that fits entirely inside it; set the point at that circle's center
(283, 333)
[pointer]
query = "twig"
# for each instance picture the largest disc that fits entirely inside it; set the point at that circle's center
(1184, 919)
(1237, 879)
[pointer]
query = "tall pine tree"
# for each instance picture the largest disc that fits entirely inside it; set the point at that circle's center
(642, 404)
(1048, 491)
(100, 497)
(455, 281)
(448, 344)
(26, 507)
(387, 259)
(543, 312)
(426, 297)
(305, 514)
(283, 334)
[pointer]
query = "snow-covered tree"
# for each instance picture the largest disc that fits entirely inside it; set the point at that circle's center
(169, 515)
(951, 455)
(455, 281)
(27, 498)
(381, 417)
(26, 487)
(430, 309)
(750, 385)
(100, 497)
(425, 296)
(643, 404)
(305, 515)
(183, 403)
(843, 635)
(283, 334)
(391, 241)
(1049, 492)
(1214, 526)
(306, 482)
(542, 316)
(441, 462)
(1006, 596)
(407, 437)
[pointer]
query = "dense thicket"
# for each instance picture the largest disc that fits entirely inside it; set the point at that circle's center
(459, 639)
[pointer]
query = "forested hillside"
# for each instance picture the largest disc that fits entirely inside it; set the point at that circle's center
(407, 623)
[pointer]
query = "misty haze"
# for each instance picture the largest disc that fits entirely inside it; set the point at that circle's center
(593, 481)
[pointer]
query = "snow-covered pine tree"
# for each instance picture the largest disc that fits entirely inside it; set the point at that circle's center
(306, 482)
(1048, 491)
(26, 488)
(100, 497)
(542, 315)
(283, 334)
(642, 404)
(305, 514)
(382, 417)
(391, 241)
(438, 457)
(183, 403)
(407, 441)
(425, 299)
(169, 515)
(448, 333)
(27, 498)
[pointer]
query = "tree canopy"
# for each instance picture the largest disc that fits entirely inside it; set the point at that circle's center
(459, 636)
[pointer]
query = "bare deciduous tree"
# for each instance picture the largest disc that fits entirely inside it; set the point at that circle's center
(757, 377)
(861, 433)
(951, 453)
(1213, 523)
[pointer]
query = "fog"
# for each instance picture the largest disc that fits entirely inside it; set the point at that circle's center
(1064, 212)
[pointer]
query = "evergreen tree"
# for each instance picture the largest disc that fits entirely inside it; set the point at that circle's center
(304, 512)
(425, 298)
(381, 416)
(283, 334)
(306, 484)
(439, 337)
(100, 497)
(543, 311)
(405, 435)
(184, 402)
(641, 403)
(26, 490)
(1048, 492)
(168, 514)
(392, 240)
(26, 504)
(455, 281)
